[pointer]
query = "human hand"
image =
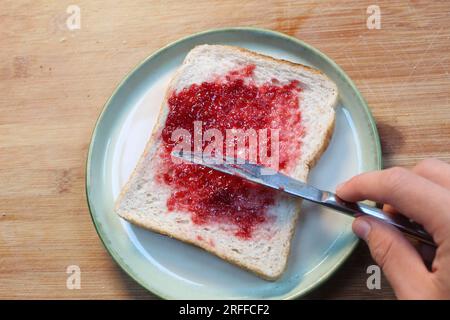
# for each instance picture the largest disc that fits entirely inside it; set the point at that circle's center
(421, 194)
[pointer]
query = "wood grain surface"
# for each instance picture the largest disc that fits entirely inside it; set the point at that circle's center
(54, 82)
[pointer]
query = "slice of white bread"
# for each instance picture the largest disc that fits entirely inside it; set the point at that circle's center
(143, 200)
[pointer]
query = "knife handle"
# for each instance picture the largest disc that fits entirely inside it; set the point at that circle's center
(358, 209)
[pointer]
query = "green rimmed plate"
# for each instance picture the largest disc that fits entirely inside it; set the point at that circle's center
(175, 270)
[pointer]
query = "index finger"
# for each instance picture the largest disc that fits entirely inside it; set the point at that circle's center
(415, 197)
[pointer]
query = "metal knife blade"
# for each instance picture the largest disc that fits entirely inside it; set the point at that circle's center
(255, 173)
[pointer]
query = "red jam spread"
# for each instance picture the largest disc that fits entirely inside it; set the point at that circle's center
(233, 101)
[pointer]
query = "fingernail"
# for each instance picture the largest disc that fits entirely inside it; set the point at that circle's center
(361, 228)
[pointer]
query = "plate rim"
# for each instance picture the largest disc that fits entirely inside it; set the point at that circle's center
(371, 121)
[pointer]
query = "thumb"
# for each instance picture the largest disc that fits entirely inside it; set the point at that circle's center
(401, 263)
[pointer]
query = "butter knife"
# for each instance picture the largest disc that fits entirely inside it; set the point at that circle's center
(279, 181)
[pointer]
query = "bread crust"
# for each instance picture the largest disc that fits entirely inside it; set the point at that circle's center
(153, 141)
(272, 59)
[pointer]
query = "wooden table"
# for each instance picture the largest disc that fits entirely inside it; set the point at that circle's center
(54, 82)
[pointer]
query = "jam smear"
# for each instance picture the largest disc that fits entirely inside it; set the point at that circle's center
(231, 102)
